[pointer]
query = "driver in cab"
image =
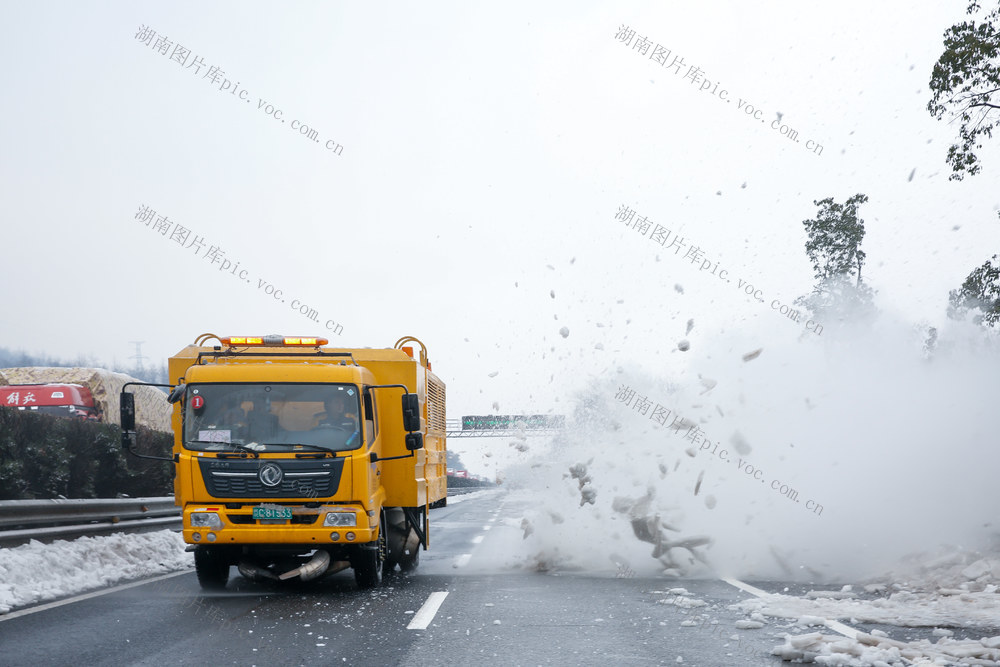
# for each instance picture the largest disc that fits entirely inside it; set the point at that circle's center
(336, 413)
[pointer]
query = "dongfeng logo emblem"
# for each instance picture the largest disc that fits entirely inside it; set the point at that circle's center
(270, 475)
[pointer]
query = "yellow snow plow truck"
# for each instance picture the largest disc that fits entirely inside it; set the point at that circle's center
(299, 460)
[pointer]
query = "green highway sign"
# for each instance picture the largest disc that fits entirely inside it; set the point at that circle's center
(493, 422)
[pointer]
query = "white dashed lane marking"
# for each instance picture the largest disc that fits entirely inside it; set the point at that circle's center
(425, 614)
(836, 626)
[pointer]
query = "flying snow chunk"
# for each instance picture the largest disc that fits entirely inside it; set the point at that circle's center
(740, 443)
(552, 293)
(690, 326)
(684, 346)
(564, 332)
(911, 175)
(677, 286)
(750, 356)
(710, 502)
(494, 374)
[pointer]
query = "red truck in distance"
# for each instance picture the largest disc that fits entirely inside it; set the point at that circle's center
(62, 400)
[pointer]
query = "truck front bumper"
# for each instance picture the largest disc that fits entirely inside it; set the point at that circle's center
(324, 525)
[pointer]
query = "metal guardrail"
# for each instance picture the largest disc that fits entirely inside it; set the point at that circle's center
(25, 520)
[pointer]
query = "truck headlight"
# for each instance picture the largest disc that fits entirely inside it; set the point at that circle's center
(206, 520)
(341, 519)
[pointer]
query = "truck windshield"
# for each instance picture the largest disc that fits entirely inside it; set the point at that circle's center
(271, 417)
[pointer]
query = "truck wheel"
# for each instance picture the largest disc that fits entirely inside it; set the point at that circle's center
(212, 569)
(367, 562)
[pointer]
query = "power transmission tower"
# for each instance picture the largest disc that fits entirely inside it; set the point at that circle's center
(138, 354)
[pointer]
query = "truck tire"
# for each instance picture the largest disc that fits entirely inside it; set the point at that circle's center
(368, 560)
(212, 569)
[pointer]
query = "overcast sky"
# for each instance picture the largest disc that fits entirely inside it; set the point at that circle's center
(485, 150)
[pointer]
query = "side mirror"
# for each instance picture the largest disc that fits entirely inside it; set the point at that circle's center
(414, 441)
(127, 402)
(411, 414)
(177, 393)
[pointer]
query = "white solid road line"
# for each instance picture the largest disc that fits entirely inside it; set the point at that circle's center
(425, 614)
(477, 539)
(836, 626)
(462, 560)
(487, 527)
(87, 596)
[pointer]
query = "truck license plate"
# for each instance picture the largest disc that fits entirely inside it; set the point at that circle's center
(279, 513)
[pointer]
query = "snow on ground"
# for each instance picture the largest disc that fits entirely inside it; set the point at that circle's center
(957, 589)
(452, 500)
(33, 573)
(929, 598)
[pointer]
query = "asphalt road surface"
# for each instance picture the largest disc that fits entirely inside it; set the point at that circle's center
(461, 607)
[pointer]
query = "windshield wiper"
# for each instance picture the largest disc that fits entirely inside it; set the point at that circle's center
(234, 445)
(319, 450)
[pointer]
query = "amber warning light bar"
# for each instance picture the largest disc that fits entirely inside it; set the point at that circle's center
(273, 341)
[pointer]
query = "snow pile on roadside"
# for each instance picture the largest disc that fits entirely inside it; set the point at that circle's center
(959, 588)
(36, 572)
(952, 589)
(880, 651)
(454, 500)
(905, 609)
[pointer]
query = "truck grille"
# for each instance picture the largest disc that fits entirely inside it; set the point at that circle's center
(302, 479)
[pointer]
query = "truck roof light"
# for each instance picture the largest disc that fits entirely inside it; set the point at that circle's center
(274, 341)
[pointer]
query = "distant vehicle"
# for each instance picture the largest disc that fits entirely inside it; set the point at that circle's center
(63, 400)
(87, 393)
